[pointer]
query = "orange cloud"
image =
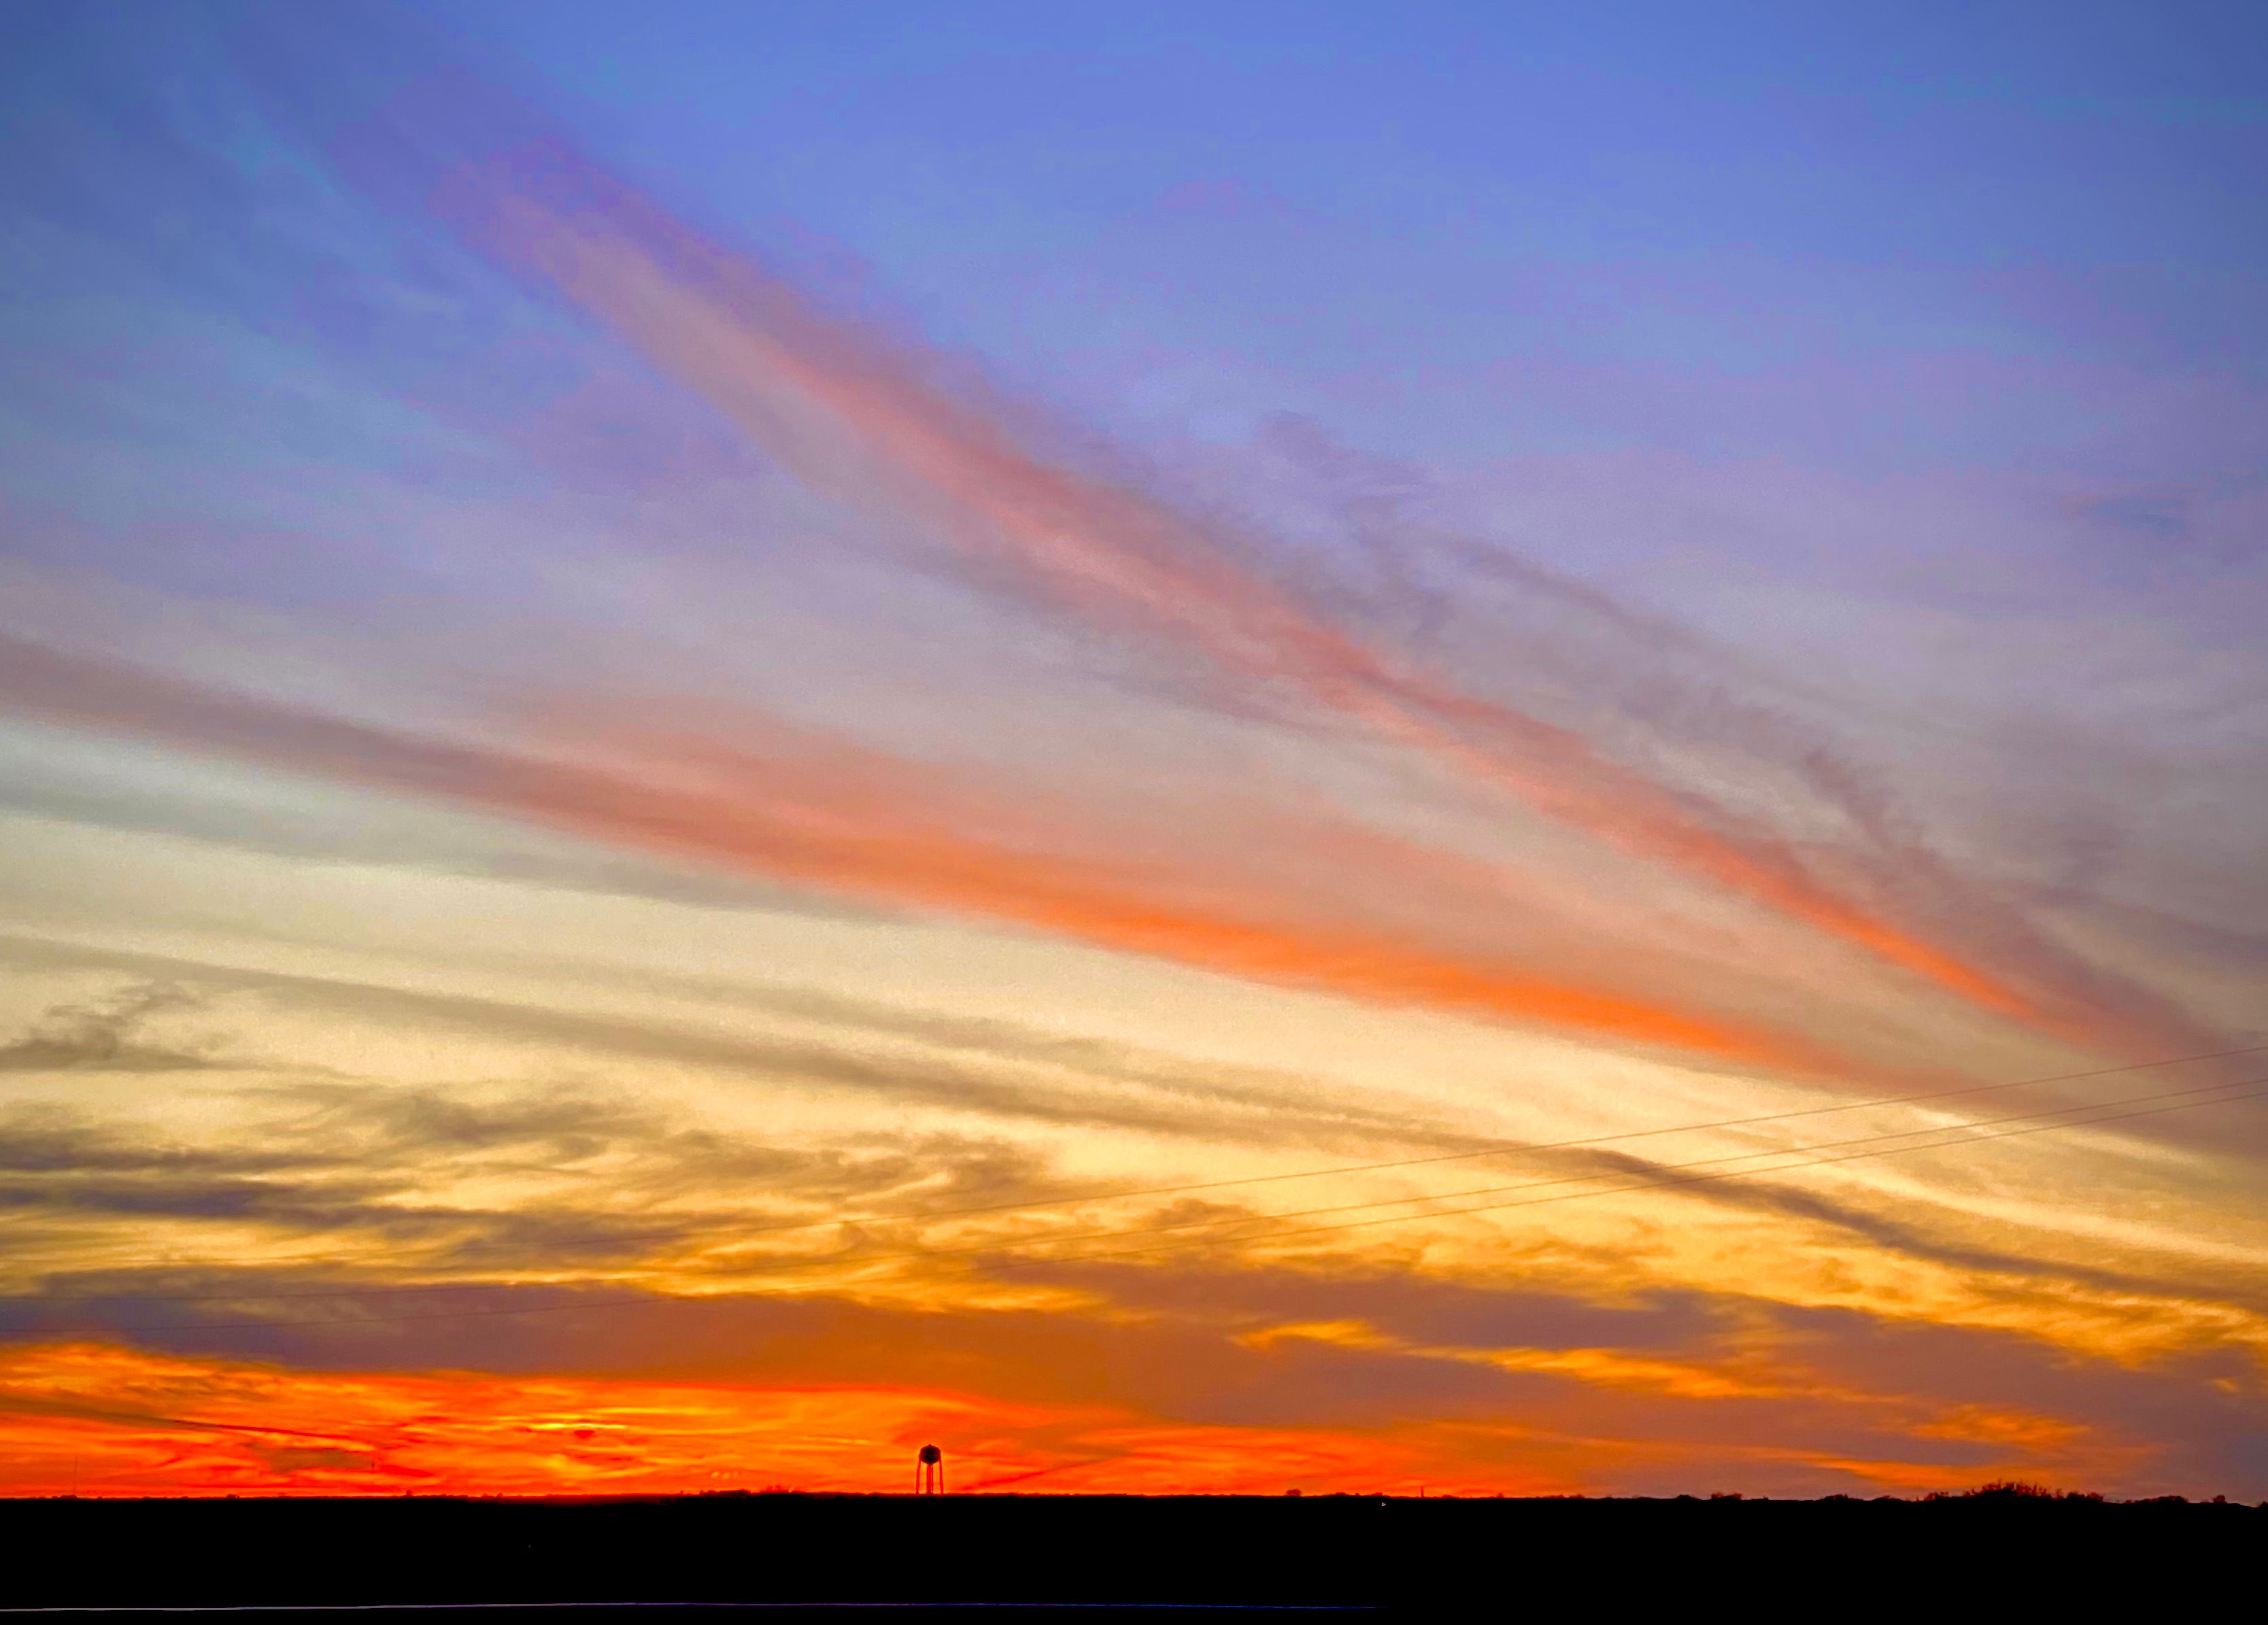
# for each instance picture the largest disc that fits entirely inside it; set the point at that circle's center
(855, 422)
(855, 821)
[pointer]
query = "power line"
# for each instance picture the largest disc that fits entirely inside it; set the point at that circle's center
(1706, 1161)
(1516, 1150)
(1121, 1194)
(2244, 1085)
(1729, 1173)
(1962, 1135)
(1735, 1173)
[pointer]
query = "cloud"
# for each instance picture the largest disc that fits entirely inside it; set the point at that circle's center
(829, 813)
(30, 1405)
(290, 1459)
(579, 1177)
(1521, 1388)
(103, 1037)
(485, 1175)
(868, 425)
(1096, 1085)
(1511, 681)
(520, 856)
(1908, 1240)
(49, 1140)
(1723, 721)
(548, 1179)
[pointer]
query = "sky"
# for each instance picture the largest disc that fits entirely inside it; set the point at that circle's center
(1483, 749)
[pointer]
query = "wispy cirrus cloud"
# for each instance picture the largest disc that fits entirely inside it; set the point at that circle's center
(871, 425)
(851, 819)
(1073, 536)
(107, 1036)
(859, 424)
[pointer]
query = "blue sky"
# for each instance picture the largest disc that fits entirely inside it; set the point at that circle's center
(2006, 241)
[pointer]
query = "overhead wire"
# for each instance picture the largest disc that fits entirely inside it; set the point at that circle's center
(1581, 1179)
(1698, 1179)
(1139, 1193)
(1512, 1150)
(1960, 1135)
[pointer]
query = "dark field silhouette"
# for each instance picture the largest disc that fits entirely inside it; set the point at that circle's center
(1402, 1557)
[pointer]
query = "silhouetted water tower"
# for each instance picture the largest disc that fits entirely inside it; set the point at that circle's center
(929, 1472)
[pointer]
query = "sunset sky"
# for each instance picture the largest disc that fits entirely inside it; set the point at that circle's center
(1481, 748)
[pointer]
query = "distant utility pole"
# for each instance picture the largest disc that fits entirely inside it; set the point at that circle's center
(929, 1472)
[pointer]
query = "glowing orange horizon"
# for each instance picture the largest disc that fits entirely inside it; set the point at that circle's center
(95, 1419)
(100, 1420)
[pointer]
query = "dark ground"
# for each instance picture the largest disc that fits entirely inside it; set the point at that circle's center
(1447, 1559)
